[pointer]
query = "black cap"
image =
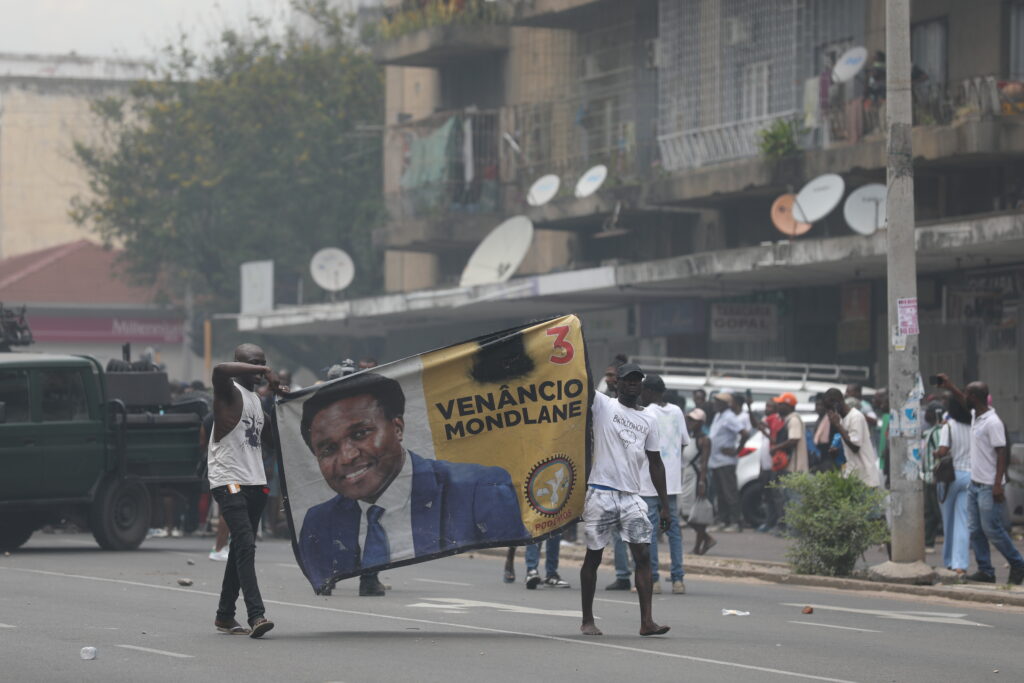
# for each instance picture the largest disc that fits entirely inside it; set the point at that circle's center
(654, 383)
(628, 369)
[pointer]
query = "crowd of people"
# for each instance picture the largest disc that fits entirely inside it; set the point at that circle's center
(964, 455)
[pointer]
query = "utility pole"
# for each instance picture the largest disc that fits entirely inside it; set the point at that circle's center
(186, 336)
(905, 387)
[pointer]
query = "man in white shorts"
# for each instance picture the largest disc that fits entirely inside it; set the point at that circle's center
(624, 435)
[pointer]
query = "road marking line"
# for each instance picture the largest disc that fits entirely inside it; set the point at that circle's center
(156, 652)
(617, 602)
(286, 565)
(953, 618)
(580, 640)
(845, 628)
(8, 626)
(445, 583)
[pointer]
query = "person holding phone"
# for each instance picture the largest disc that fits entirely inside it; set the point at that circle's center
(985, 494)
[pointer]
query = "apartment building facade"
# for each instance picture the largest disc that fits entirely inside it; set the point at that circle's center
(677, 254)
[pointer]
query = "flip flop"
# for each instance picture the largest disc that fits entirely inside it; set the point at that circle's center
(660, 632)
(708, 546)
(510, 577)
(234, 629)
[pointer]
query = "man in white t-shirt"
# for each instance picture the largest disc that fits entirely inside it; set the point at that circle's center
(852, 426)
(673, 438)
(985, 495)
(729, 429)
(624, 436)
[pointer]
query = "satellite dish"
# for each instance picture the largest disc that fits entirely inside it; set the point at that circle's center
(864, 210)
(591, 181)
(499, 255)
(543, 190)
(332, 269)
(782, 217)
(849, 65)
(817, 198)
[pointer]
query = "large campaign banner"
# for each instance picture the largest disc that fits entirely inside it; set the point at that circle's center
(475, 445)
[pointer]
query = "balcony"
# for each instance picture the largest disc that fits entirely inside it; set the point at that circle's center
(438, 32)
(980, 116)
(973, 99)
(442, 180)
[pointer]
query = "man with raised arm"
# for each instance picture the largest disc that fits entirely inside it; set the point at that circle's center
(624, 435)
(986, 496)
(238, 481)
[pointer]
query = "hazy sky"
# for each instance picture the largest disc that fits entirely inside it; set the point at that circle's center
(123, 28)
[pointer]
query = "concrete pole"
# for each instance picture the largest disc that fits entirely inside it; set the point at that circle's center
(186, 337)
(905, 388)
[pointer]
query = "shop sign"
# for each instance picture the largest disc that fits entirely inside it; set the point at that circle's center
(744, 322)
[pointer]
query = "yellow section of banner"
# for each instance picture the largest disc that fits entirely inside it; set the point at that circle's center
(517, 400)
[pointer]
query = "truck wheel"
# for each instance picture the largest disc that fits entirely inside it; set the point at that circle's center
(13, 536)
(753, 502)
(120, 514)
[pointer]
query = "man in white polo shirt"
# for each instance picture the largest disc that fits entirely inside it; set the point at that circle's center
(624, 435)
(985, 497)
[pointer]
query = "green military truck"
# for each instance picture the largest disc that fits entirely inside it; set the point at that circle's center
(78, 442)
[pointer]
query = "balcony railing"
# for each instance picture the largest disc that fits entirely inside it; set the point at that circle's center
(934, 104)
(846, 122)
(715, 144)
(447, 163)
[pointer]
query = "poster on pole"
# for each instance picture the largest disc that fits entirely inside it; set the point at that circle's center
(475, 445)
(907, 316)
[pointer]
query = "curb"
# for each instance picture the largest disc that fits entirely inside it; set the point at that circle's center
(776, 572)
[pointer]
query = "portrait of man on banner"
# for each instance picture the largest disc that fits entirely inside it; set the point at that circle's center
(354, 430)
(475, 445)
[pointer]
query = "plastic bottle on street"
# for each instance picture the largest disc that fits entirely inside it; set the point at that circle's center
(88, 653)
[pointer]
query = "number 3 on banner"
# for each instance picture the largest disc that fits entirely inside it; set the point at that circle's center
(560, 333)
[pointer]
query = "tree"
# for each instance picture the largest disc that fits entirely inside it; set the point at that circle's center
(258, 151)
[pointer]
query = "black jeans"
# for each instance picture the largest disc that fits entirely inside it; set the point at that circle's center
(728, 495)
(242, 513)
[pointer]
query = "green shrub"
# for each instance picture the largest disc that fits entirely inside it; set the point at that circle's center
(778, 140)
(834, 519)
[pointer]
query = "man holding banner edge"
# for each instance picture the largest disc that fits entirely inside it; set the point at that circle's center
(623, 436)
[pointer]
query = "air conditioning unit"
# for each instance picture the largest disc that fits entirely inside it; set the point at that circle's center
(653, 49)
(737, 30)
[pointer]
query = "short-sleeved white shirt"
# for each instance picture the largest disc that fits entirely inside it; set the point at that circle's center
(672, 430)
(863, 463)
(987, 434)
(621, 437)
(725, 433)
(956, 436)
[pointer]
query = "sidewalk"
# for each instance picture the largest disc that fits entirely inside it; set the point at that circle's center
(762, 556)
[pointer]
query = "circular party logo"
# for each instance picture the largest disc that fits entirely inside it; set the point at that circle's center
(550, 484)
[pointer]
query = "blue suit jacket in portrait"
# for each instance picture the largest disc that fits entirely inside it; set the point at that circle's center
(453, 505)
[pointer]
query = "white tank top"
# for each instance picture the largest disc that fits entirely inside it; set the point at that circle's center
(238, 458)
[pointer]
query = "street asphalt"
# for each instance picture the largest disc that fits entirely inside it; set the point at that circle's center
(453, 620)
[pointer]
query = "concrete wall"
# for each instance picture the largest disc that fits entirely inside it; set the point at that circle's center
(39, 121)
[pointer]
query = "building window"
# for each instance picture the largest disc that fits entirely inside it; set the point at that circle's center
(928, 49)
(1017, 41)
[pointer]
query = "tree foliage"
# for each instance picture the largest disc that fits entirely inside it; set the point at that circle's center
(257, 151)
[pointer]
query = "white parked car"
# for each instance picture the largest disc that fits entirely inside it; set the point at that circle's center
(765, 380)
